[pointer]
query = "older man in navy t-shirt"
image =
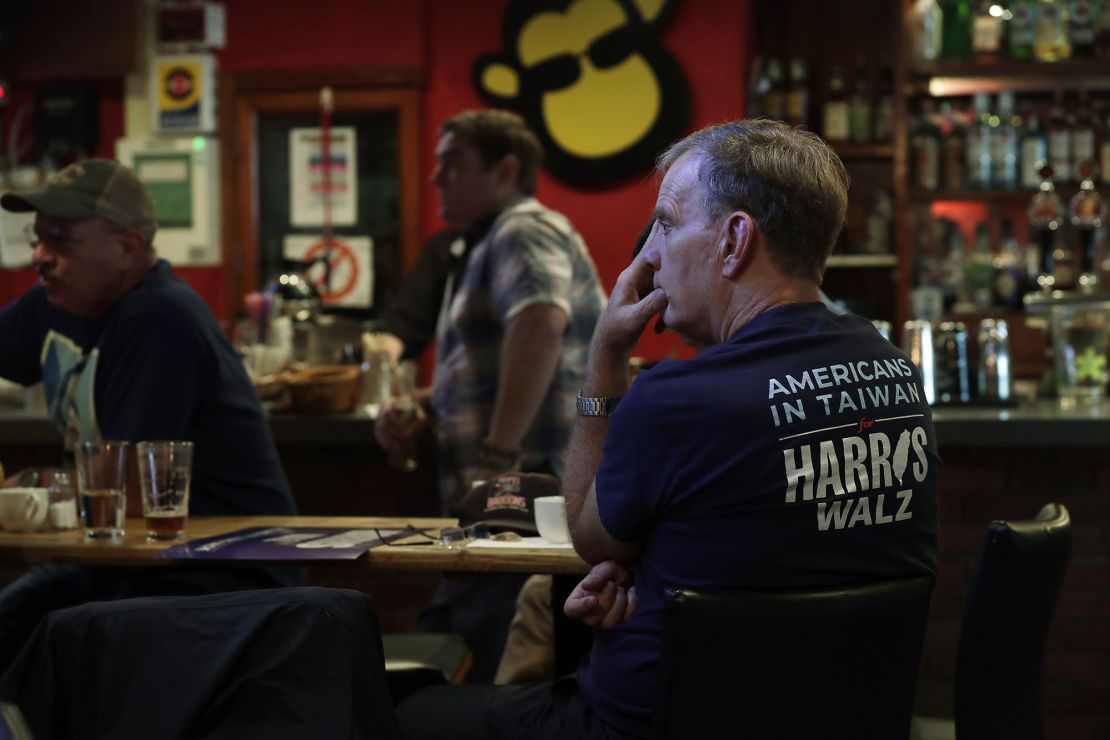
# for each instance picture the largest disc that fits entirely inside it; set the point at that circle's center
(796, 450)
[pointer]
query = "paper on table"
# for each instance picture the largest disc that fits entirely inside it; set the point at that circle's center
(522, 543)
(286, 543)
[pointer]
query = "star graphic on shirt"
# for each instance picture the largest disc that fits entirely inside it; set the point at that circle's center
(1091, 365)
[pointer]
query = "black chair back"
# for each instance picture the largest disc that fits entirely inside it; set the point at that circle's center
(1009, 607)
(838, 662)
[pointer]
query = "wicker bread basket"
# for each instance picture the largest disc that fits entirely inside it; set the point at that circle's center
(269, 387)
(324, 389)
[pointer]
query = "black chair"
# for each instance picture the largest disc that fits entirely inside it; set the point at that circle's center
(837, 662)
(1009, 608)
(273, 663)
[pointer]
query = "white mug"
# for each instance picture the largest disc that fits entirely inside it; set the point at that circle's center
(551, 518)
(23, 509)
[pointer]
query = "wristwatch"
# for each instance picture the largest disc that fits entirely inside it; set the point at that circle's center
(597, 405)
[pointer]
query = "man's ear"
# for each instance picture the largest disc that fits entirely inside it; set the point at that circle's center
(508, 168)
(134, 245)
(737, 244)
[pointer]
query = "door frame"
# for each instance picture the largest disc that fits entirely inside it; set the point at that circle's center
(246, 95)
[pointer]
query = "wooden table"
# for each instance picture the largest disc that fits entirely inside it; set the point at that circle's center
(134, 549)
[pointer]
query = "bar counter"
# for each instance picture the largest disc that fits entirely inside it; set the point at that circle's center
(1033, 424)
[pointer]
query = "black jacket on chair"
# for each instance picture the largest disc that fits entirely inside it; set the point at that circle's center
(277, 663)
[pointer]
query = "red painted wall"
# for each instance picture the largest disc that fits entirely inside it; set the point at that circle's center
(710, 38)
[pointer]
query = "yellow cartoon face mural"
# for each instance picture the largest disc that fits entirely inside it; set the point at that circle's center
(593, 82)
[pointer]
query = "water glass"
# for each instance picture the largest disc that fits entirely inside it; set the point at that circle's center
(165, 472)
(102, 482)
(399, 400)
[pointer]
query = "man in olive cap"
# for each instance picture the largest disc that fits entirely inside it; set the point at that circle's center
(127, 351)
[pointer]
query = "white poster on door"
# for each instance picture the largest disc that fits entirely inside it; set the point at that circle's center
(309, 193)
(343, 270)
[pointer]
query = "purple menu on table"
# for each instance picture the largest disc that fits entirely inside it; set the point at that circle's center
(286, 543)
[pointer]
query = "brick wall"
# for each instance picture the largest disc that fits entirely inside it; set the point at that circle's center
(985, 483)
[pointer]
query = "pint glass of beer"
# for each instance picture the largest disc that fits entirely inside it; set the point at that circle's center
(165, 470)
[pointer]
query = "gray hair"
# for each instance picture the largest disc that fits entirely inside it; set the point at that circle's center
(790, 181)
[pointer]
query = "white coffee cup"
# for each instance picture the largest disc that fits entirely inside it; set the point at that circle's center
(23, 509)
(551, 518)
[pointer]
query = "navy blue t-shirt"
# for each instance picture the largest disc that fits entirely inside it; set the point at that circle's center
(156, 367)
(799, 454)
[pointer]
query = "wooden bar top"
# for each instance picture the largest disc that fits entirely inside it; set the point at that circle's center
(133, 549)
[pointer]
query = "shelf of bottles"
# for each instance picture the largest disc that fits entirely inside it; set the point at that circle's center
(858, 124)
(992, 147)
(1009, 108)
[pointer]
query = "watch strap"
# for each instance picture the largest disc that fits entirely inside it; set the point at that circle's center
(596, 405)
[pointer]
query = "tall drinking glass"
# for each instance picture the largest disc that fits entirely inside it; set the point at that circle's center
(102, 482)
(165, 471)
(399, 400)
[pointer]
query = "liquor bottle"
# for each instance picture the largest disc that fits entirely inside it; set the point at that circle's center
(1004, 143)
(1086, 212)
(775, 99)
(1009, 270)
(925, 150)
(979, 271)
(860, 105)
(926, 19)
(1104, 153)
(1102, 36)
(954, 144)
(759, 84)
(884, 106)
(1046, 214)
(1083, 142)
(1082, 28)
(979, 144)
(797, 99)
(1050, 37)
(1021, 29)
(1034, 152)
(836, 124)
(880, 225)
(956, 37)
(986, 32)
(1059, 140)
(952, 268)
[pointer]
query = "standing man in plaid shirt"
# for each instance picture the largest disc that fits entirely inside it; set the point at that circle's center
(514, 328)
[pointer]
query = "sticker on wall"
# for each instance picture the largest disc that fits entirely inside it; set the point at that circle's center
(341, 270)
(184, 93)
(308, 196)
(593, 81)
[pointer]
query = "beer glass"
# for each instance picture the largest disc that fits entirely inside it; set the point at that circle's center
(165, 472)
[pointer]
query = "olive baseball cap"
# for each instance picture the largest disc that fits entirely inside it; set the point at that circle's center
(91, 187)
